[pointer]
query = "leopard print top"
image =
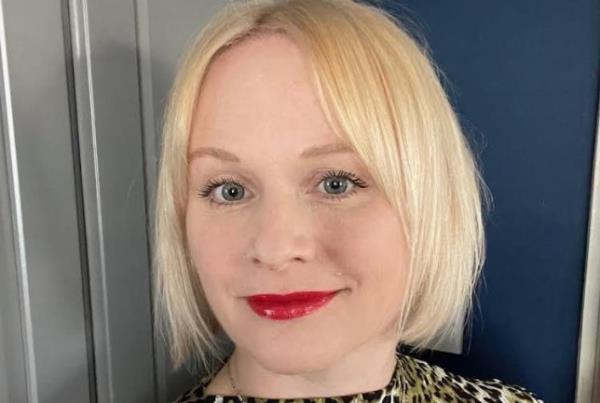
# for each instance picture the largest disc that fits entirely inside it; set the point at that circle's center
(414, 381)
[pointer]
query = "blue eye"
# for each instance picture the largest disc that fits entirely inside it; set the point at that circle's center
(336, 182)
(231, 191)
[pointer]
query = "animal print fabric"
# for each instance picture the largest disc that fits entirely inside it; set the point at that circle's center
(414, 381)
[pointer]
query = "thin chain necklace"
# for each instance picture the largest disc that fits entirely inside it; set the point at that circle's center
(242, 400)
(235, 389)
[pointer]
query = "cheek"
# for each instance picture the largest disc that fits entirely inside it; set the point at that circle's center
(369, 244)
(212, 241)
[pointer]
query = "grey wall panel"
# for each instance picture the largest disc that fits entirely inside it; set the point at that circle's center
(13, 384)
(44, 324)
(112, 163)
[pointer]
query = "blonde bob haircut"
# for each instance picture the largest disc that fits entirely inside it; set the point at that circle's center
(383, 90)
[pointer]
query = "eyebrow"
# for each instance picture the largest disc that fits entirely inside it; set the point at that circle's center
(310, 152)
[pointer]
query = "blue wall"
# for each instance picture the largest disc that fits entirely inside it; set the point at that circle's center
(524, 80)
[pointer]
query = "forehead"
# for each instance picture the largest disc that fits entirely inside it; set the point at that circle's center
(260, 93)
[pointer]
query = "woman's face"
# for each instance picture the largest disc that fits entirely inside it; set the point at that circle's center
(282, 223)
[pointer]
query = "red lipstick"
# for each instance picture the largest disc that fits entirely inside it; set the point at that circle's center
(289, 306)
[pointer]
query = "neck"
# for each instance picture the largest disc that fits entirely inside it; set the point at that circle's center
(345, 376)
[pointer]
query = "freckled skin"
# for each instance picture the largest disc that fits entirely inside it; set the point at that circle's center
(285, 235)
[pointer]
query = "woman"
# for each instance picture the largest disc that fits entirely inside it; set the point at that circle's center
(318, 204)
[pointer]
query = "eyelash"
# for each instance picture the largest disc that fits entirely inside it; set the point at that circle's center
(206, 190)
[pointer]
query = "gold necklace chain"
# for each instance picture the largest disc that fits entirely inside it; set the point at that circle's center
(235, 389)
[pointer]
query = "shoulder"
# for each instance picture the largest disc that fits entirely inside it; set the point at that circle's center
(196, 393)
(429, 382)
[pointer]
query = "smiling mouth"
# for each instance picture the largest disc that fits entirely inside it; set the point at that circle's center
(289, 306)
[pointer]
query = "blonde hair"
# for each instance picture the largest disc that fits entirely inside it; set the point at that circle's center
(399, 122)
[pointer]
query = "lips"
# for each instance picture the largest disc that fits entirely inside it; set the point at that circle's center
(289, 306)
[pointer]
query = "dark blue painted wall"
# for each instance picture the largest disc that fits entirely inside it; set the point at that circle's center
(524, 80)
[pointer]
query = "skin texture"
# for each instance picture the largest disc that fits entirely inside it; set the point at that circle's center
(285, 233)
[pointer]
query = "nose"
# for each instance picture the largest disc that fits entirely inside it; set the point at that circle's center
(283, 234)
